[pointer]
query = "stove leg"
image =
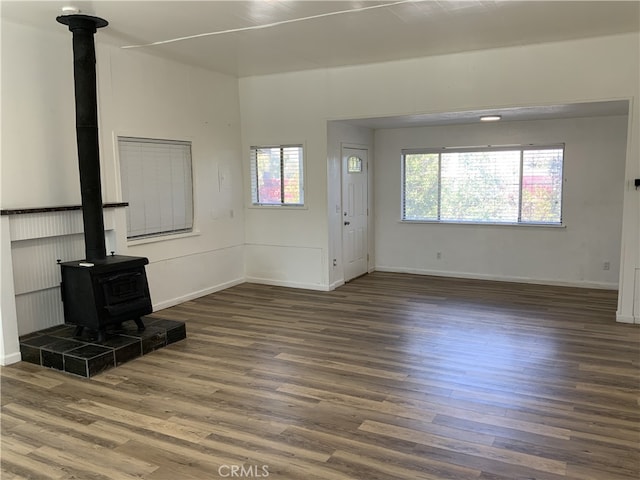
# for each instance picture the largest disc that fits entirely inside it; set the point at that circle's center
(102, 335)
(139, 323)
(78, 331)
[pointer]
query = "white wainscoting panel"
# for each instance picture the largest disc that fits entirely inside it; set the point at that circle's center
(34, 261)
(47, 224)
(38, 310)
(38, 240)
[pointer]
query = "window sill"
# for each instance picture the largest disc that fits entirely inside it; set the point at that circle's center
(162, 238)
(254, 206)
(485, 224)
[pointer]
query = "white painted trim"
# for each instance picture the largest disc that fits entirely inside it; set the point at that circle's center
(499, 278)
(10, 359)
(336, 284)
(200, 293)
(282, 283)
(626, 318)
(9, 337)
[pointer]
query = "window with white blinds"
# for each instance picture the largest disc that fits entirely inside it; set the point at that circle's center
(277, 176)
(513, 185)
(157, 183)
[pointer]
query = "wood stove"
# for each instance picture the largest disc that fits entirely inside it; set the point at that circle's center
(99, 290)
(105, 292)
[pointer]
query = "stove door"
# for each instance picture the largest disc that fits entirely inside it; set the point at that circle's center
(126, 293)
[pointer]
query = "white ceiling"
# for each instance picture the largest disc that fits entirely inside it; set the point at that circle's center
(245, 38)
(249, 37)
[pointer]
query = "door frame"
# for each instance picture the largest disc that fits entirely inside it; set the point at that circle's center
(368, 149)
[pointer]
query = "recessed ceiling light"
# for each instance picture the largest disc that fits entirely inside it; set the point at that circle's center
(491, 118)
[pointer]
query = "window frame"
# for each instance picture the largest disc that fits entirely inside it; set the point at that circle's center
(253, 180)
(485, 148)
(190, 229)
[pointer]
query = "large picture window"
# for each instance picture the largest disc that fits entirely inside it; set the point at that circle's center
(157, 183)
(512, 185)
(276, 175)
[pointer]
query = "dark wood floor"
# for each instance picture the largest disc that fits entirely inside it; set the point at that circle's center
(389, 377)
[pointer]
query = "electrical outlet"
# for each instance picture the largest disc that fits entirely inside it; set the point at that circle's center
(439, 255)
(606, 266)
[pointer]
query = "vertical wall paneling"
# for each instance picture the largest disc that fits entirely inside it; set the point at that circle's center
(38, 310)
(34, 261)
(37, 241)
(46, 224)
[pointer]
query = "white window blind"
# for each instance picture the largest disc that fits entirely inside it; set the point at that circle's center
(157, 183)
(276, 175)
(488, 185)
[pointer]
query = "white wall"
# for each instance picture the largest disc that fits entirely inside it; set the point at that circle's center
(141, 95)
(594, 163)
(39, 166)
(138, 95)
(298, 104)
(288, 245)
(144, 96)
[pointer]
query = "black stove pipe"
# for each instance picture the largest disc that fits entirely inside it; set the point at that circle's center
(83, 28)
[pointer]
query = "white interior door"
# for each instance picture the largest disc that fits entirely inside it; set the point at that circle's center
(355, 239)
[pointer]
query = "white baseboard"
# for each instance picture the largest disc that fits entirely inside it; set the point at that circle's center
(500, 278)
(200, 293)
(336, 284)
(627, 318)
(10, 359)
(282, 283)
